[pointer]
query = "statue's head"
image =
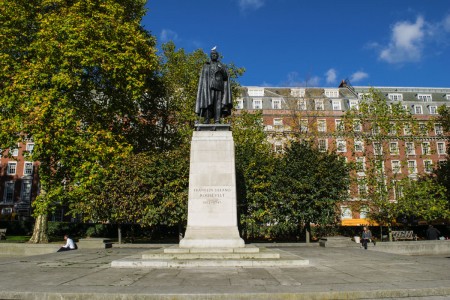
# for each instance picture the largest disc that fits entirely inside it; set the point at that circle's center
(214, 54)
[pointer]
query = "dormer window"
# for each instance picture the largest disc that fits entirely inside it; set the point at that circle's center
(395, 97)
(276, 103)
(332, 93)
(257, 104)
(424, 97)
(255, 91)
(298, 93)
(239, 104)
(447, 96)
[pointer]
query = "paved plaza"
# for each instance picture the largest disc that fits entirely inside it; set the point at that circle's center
(333, 273)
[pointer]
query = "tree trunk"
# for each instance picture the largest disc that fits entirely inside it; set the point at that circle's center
(119, 233)
(308, 232)
(40, 235)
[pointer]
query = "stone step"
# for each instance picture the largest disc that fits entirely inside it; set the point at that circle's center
(246, 249)
(186, 256)
(140, 263)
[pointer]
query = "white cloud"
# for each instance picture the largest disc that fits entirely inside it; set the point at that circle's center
(294, 80)
(168, 35)
(250, 4)
(406, 43)
(331, 76)
(446, 23)
(358, 76)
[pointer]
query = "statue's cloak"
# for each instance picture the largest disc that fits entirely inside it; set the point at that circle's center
(204, 96)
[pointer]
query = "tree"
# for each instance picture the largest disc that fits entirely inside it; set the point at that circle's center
(424, 198)
(378, 126)
(310, 185)
(73, 76)
(255, 170)
(442, 171)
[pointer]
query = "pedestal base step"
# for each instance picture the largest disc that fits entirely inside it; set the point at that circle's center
(175, 257)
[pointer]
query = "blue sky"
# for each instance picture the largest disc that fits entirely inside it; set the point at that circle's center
(315, 43)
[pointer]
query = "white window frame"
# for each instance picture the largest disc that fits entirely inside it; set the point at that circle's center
(322, 125)
(339, 124)
(412, 166)
(393, 148)
(304, 125)
(410, 150)
(277, 122)
(425, 97)
(364, 212)
(324, 143)
(427, 165)
(426, 150)
(302, 104)
(346, 213)
(360, 163)
(438, 129)
(418, 110)
(11, 168)
(336, 104)
(255, 91)
(357, 126)
(362, 187)
(354, 104)
(407, 129)
(341, 145)
(276, 103)
(278, 147)
(257, 103)
(441, 148)
(27, 168)
(318, 104)
(298, 92)
(377, 148)
(433, 110)
(25, 191)
(358, 146)
(396, 166)
(239, 103)
(395, 97)
(14, 151)
(332, 93)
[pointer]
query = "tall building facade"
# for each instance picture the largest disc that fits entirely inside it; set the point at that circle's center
(318, 114)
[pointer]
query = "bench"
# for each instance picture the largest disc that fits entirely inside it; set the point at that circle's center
(404, 235)
(2, 233)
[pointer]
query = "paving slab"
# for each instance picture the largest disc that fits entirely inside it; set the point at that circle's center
(332, 273)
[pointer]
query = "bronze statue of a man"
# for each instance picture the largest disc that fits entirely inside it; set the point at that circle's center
(214, 92)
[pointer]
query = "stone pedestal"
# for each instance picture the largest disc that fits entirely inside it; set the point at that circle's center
(212, 211)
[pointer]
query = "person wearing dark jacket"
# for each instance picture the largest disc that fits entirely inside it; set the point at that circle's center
(432, 233)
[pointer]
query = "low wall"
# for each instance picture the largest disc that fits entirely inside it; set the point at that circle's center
(25, 249)
(414, 247)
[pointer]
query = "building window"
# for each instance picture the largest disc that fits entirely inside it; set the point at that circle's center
(336, 104)
(25, 191)
(239, 104)
(321, 125)
(396, 167)
(375, 129)
(28, 168)
(278, 147)
(298, 92)
(424, 97)
(362, 187)
(278, 123)
(257, 104)
(377, 148)
(398, 190)
(332, 93)
(276, 103)
(304, 125)
(412, 167)
(393, 147)
(407, 129)
(359, 146)
(302, 104)
(447, 96)
(341, 146)
(441, 147)
(318, 104)
(428, 165)
(255, 92)
(395, 97)
(339, 125)
(14, 151)
(410, 148)
(426, 148)
(405, 108)
(8, 195)
(354, 104)
(346, 212)
(392, 129)
(363, 212)
(29, 147)
(360, 164)
(12, 166)
(357, 127)
(438, 129)
(433, 110)
(423, 128)
(323, 145)
(418, 109)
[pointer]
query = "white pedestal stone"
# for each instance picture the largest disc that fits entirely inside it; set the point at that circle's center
(212, 211)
